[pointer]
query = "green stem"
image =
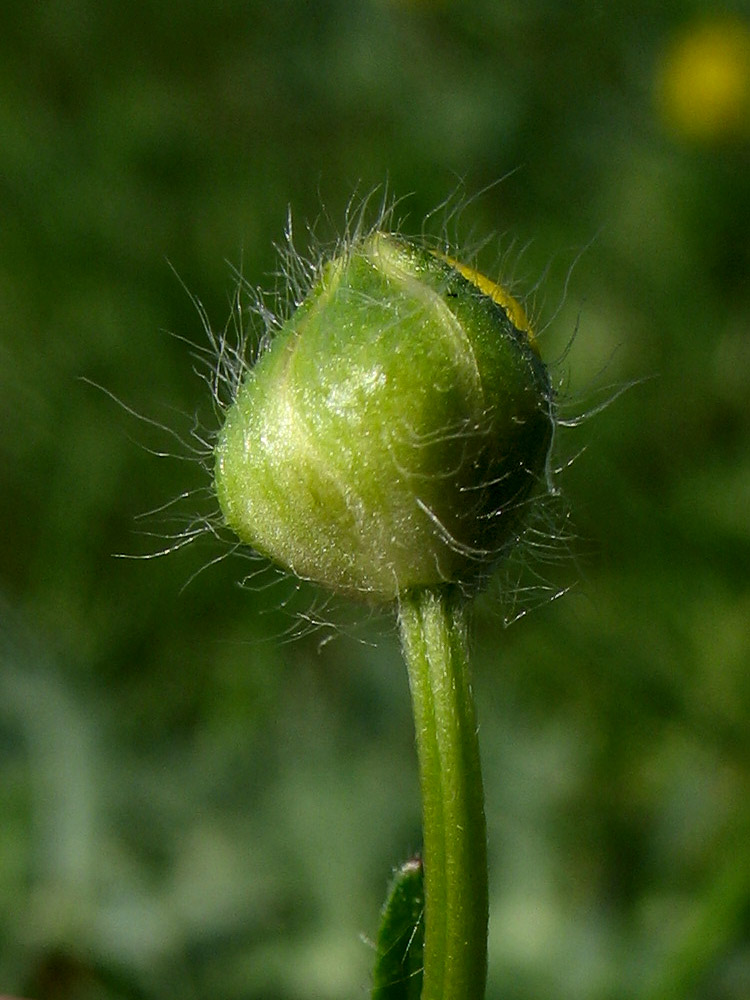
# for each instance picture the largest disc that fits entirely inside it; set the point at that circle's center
(433, 636)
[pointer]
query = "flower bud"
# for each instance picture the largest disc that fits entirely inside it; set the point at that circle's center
(389, 436)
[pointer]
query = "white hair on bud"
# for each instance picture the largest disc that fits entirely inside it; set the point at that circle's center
(228, 354)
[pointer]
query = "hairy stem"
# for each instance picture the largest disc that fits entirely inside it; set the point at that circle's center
(433, 636)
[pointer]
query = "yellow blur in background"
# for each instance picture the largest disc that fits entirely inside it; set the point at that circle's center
(703, 87)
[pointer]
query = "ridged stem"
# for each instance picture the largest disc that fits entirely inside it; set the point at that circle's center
(433, 636)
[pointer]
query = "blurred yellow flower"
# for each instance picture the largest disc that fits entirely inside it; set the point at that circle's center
(703, 82)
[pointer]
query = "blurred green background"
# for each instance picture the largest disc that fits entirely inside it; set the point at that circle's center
(191, 806)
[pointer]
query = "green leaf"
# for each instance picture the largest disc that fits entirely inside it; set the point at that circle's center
(398, 967)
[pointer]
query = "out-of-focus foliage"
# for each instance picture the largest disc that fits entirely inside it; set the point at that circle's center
(190, 806)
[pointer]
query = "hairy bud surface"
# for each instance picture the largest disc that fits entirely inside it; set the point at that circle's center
(390, 435)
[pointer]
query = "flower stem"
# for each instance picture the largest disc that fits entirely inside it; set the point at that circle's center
(433, 637)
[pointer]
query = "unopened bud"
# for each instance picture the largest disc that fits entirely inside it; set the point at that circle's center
(390, 435)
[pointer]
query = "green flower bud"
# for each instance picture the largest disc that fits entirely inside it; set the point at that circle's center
(389, 436)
